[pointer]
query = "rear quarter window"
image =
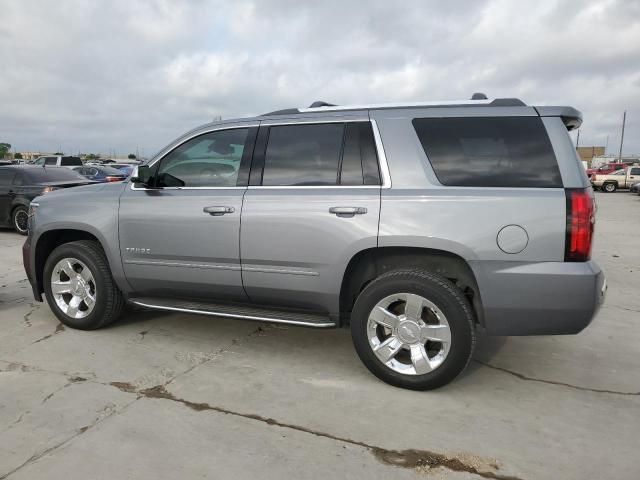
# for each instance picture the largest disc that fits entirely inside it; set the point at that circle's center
(489, 151)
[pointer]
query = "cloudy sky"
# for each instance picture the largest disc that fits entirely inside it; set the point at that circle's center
(125, 74)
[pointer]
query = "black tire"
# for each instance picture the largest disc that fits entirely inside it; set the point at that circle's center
(19, 218)
(442, 293)
(609, 187)
(109, 300)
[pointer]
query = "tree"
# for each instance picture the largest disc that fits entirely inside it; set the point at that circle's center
(4, 148)
(18, 156)
(58, 153)
(131, 156)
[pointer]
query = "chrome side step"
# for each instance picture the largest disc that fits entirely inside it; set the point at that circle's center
(236, 311)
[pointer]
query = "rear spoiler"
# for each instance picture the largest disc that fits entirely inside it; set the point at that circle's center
(571, 117)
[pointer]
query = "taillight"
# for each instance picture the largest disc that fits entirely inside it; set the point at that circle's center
(581, 217)
(113, 179)
(48, 189)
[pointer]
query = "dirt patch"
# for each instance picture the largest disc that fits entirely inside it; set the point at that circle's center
(125, 387)
(422, 460)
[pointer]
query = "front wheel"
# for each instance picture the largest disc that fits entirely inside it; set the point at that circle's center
(413, 329)
(20, 218)
(609, 187)
(79, 287)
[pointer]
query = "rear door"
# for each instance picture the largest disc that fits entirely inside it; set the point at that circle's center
(181, 237)
(313, 202)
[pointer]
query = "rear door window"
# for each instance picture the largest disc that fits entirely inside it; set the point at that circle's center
(489, 151)
(635, 171)
(303, 155)
(320, 154)
(359, 159)
(51, 160)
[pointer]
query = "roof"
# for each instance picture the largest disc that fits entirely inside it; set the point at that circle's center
(571, 117)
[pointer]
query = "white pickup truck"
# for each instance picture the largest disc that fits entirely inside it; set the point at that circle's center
(622, 178)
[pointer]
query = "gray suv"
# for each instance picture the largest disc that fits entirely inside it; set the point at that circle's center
(413, 224)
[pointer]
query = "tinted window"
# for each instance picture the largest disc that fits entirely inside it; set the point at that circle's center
(359, 159)
(69, 161)
(210, 160)
(489, 152)
(55, 174)
(635, 171)
(51, 161)
(303, 154)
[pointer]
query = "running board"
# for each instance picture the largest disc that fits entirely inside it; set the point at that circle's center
(259, 314)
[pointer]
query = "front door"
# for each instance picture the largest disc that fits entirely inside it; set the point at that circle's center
(180, 236)
(313, 202)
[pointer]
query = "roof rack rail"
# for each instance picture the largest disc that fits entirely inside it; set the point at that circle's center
(476, 101)
(320, 103)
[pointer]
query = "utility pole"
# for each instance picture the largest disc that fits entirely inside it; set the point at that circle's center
(606, 145)
(624, 119)
(578, 140)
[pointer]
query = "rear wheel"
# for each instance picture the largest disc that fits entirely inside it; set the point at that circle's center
(79, 287)
(20, 217)
(413, 329)
(610, 187)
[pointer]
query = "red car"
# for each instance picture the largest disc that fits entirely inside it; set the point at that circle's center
(608, 168)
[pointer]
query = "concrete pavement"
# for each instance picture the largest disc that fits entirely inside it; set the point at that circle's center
(168, 396)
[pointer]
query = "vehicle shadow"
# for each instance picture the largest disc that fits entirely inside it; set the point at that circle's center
(332, 347)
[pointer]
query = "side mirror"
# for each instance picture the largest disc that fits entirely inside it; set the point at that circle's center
(141, 175)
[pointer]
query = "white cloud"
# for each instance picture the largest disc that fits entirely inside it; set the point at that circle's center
(113, 75)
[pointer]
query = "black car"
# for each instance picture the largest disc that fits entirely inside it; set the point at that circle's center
(99, 173)
(19, 184)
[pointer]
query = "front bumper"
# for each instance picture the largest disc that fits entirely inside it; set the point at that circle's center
(546, 298)
(29, 268)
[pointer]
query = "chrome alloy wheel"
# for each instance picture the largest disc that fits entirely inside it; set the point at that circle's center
(409, 334)
(73, 288)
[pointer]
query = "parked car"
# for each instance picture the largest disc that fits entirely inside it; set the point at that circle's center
(21, 184)
(635, 188)
(413, 224)
(100, 173)
(608, 168)
(58, 161)
(619, 179)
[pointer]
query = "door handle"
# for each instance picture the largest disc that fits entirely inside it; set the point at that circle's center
(217, 211)
(347, 211)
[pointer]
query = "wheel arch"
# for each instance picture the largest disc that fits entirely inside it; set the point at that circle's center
(368, 264)
(48, 240)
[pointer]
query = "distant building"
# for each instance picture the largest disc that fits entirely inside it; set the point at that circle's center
(587, 153)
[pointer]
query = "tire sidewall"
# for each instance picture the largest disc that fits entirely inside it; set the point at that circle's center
(14, 214)
(459, 318)
(94, 319)
(609, 188)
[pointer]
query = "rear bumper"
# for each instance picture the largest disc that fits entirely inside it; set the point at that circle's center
(547, 298)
